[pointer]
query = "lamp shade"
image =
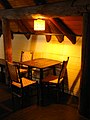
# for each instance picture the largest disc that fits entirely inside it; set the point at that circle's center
(39, 24)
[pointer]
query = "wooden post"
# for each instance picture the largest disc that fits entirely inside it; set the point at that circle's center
(84, 102)
(7, 39)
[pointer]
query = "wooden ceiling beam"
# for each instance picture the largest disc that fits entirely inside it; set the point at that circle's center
(29, 25)
(7, 5)
(63, 8)
(54, 29)
(40, 2)
(22, 28)
(47, 30)
(64, 29)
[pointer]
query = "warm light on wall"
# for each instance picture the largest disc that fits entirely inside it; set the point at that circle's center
(39, 24)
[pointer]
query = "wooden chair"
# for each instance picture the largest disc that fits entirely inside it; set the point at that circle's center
(25, 56)
(2, 70)
(20, 86)
(56, 82)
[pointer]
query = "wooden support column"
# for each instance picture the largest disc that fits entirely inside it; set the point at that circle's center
(84, 102)
(7, 39)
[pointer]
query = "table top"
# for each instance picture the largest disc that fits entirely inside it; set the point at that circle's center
(41, 63)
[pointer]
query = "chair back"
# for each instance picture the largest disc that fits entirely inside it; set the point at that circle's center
(26, 55)
(2, 62)
(13, 72)
(63, 70)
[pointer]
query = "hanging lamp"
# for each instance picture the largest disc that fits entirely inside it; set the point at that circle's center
(39, 24)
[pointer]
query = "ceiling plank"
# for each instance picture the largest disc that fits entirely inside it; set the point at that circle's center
(40, 2)
(64, 29)
(54, 29)
(50, 10)
(29, 24)
(7, 5)
(22, 28)
(47, 30)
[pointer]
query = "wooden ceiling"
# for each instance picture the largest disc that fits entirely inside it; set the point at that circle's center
(63, 17)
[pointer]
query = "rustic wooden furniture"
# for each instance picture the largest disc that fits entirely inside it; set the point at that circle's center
(25, 55)
(2, 64)
(3, 70)
(41, 63)
(19, 85)
(56, 82)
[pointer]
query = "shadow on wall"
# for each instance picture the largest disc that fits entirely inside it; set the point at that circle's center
(66, 86)
(33, 43)
(75, 82)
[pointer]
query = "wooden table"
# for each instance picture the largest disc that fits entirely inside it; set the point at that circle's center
(42, 63)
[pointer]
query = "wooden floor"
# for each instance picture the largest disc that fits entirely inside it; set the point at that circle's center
(67, 109)
(51, 112)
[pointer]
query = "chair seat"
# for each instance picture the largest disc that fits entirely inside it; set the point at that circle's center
(23, 70)
(25, 82)
(55, 82)
(20, 86)
(51, 78)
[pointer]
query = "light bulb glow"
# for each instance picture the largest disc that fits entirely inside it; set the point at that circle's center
(39, 24)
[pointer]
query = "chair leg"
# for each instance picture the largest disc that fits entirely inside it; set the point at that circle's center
(41, 94)
(63, 86)
(37, 92)
(57, 97)
(13, 102)
(48, 94)
(22, 98)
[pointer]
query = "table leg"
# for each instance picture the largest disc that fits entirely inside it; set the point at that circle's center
(41, 87)
(29, 72)
(41, 75)
(54, 70)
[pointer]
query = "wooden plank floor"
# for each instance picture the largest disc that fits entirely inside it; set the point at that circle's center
(67, 109)
(51, 112)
